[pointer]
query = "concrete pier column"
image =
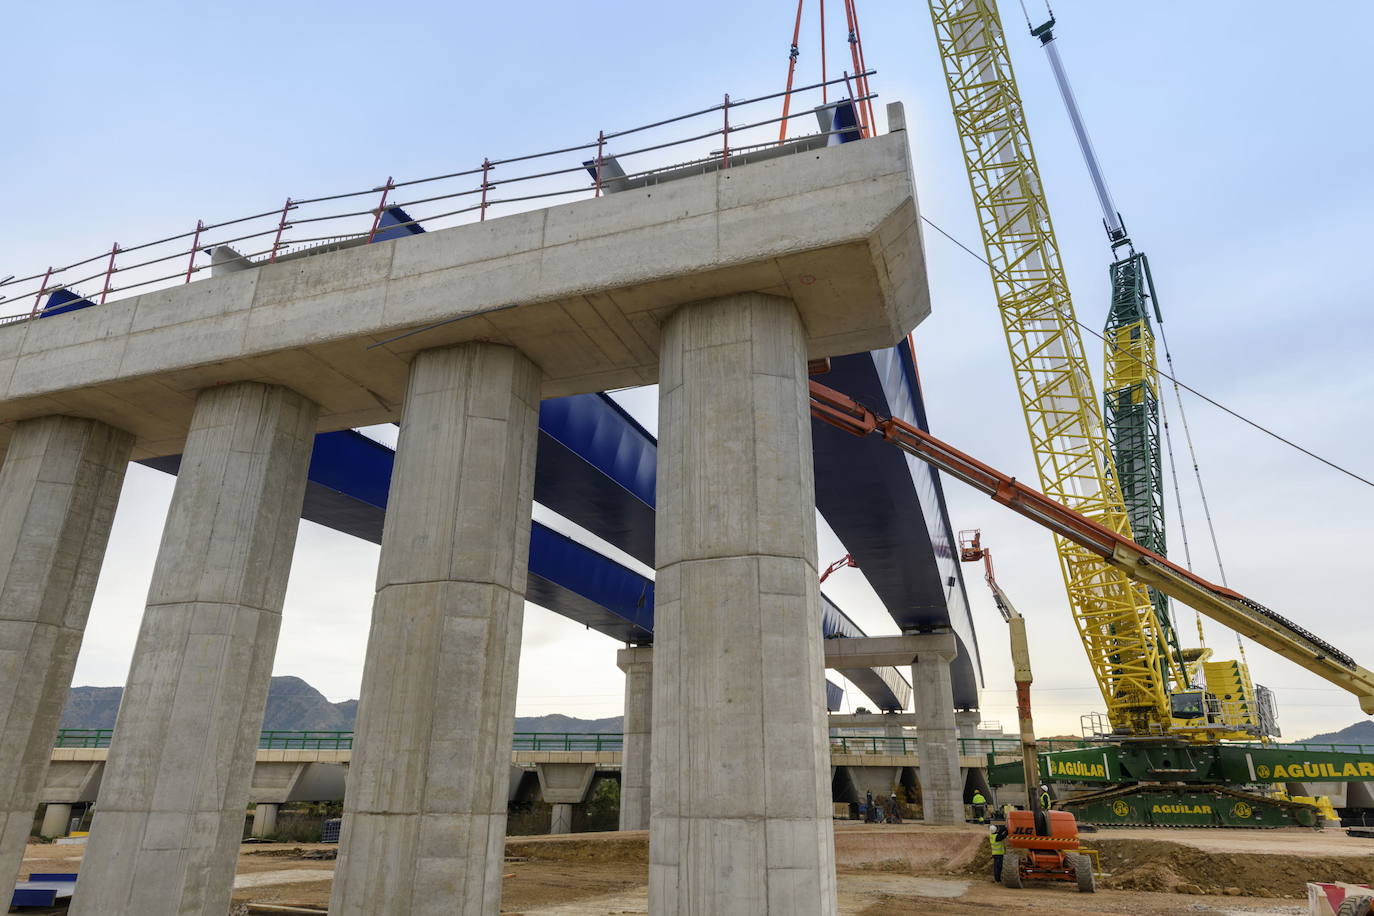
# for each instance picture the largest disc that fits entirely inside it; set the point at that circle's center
(896, 743)
(57, 820)
(264, 820)
(967, 721)
(58, 490)
(636, 753)
(937, 734)
(560, 819)
(741, 814)
(425, 811)
(166, 833)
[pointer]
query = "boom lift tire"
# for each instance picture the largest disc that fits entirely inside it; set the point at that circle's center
(1011, 870)
(1083, 871)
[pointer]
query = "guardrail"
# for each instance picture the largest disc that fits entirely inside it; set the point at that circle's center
(872, 744)
(283, 739)
(83, 737)
(568, 741)
(439, 201)
(968, 747)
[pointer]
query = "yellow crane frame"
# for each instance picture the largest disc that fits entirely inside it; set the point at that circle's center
(1113, 614)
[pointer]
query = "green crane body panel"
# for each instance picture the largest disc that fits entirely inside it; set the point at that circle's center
(1177, 784)
(1188, 806)
(1291, 764)
(1180, 762)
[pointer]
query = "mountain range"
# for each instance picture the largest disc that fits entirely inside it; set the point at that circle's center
(293, 705)
(1361, 732)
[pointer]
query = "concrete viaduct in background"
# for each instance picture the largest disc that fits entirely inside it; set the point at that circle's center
(719, 286)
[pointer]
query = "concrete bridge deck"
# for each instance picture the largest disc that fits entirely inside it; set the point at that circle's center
(607, 759)
(580, 289)
(283, 775)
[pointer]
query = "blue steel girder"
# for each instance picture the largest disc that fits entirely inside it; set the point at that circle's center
(349, 479)
(598, 467)
(895, 523)
(886, 687)
(346, 490)
(834, 696)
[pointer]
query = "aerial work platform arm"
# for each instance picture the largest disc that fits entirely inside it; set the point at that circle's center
(1223, 605)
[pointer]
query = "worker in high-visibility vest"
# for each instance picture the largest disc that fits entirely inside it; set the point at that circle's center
(1045, 797)
(980, 807)
(997, 843)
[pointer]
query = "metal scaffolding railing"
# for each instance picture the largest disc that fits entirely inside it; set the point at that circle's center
(496, 186)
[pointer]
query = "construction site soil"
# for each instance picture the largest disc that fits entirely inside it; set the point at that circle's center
(884, 870)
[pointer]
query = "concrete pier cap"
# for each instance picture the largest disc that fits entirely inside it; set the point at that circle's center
(581, 289)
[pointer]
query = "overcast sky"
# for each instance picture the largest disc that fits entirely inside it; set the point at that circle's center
(1238, 153)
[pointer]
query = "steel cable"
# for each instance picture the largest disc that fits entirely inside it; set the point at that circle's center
(1186, 387)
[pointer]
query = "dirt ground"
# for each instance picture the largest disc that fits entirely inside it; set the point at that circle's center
(884, 870)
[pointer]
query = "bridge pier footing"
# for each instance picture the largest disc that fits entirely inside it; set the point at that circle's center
(166, 836)
(937, 733)
(58, 490)
(425, 812)
(740, 780)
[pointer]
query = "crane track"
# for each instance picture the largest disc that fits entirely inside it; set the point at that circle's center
(1074, 806)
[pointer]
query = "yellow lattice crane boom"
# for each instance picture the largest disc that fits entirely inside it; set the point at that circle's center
(1115, 619)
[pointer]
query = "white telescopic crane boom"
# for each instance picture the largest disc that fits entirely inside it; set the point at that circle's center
(1116, 230)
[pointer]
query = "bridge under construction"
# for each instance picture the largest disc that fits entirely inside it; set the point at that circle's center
(767, 274)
